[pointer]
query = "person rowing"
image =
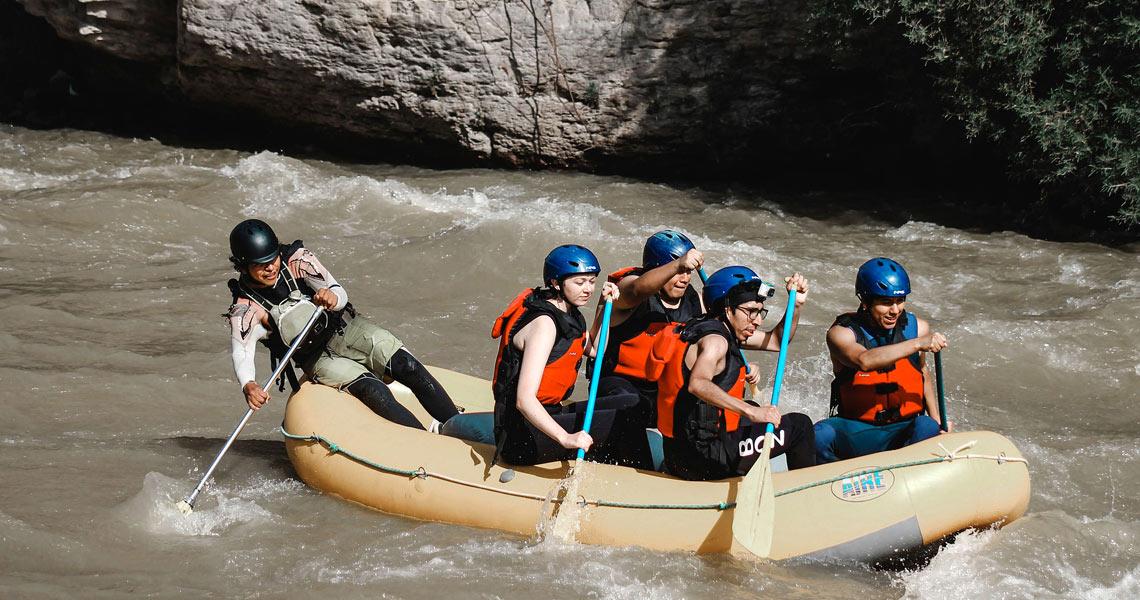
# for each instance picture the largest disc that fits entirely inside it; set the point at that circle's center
(882, 396)
(278, 289)
(543, 339)
(709, 431)
(653, 297)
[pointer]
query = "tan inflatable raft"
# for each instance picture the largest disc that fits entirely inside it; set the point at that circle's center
(862, 509)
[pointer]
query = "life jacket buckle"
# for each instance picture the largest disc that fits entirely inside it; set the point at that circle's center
(887, 416)
(885, 388)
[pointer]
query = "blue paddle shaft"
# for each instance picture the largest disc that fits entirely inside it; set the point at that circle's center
(784, 339)
(941, 393)
(603, 335)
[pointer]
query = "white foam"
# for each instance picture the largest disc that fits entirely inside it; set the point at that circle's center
(275, 186)
(921, 231)
(155, 509)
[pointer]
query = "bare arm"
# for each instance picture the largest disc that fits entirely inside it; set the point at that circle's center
(536, 340)
(770, 340)
(849, 352)
(708, 359)
(636, 289)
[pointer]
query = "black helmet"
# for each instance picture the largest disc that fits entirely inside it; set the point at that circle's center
(253, 241)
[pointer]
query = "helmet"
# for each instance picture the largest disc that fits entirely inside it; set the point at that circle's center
(253, 241)
(567, 260)
(664, 247)
(881, 278)
(735, 285)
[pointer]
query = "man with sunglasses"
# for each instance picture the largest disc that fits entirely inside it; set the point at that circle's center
(278, 287)
(709, 431)
(881, 389)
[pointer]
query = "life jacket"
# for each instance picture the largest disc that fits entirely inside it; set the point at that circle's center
(635, 335)
(679, 412)
(884, 396)
(561, 366)
(289, 308)
(565, 357)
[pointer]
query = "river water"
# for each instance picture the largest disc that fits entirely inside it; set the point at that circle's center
(118, 390)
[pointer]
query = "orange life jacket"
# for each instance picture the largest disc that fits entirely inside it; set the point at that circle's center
(679, 412)
(884, 396)
(634, 337)
(565, 357)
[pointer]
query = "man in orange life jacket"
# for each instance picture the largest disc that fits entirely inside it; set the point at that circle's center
(653, 297)
(709, 431)
(543, 340)
(277, 285)
(881, 388)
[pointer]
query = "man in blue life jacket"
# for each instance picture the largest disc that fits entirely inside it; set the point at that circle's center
(882, 397)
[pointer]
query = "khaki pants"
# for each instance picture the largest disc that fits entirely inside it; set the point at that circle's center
(363, 348)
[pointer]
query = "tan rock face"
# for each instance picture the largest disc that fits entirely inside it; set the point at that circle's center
(524, 82)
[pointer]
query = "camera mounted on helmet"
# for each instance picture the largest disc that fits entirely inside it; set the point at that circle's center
(733, 286)
(749, 291)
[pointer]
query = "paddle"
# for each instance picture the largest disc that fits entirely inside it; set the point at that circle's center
(603, 335)
(566, 520)
(945, 424)
(187, 506)
(755, 514)
(747, 366)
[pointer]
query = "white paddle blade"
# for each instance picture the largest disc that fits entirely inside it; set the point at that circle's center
(755, 514)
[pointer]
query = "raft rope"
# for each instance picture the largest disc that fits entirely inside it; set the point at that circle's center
(423, 473)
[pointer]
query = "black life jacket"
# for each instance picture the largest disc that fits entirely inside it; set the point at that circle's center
(329, 324)
(557, 384)
(680, 414)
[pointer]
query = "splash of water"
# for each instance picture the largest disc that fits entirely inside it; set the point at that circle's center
(154, 508)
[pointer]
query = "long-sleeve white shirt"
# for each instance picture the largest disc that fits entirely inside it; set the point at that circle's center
(249, 322)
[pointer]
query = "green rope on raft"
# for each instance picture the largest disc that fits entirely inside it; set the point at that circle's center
(334, 448)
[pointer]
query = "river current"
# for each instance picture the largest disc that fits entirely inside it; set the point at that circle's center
(118, 389)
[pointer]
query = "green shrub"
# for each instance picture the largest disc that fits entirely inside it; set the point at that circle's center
(1054, 84)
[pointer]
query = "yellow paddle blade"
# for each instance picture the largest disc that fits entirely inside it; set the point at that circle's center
(755, 514)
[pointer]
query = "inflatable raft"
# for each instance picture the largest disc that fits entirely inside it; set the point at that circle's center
(863, 509)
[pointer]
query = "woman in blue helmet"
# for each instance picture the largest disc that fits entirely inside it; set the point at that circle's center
(543, 340)
(882, 398)
(709, 431)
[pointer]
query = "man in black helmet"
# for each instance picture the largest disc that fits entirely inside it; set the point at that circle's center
(342, 350)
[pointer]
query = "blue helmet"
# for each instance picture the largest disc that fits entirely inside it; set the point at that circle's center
(567, 260)
(735, 285)
(664, 247)
(881, 278)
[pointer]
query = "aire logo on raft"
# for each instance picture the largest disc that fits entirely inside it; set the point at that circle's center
(864, 485)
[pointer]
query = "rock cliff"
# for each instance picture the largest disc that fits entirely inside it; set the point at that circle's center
(568, 83)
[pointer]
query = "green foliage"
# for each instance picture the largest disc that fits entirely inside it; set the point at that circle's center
(592, 95)
(1054, 83)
